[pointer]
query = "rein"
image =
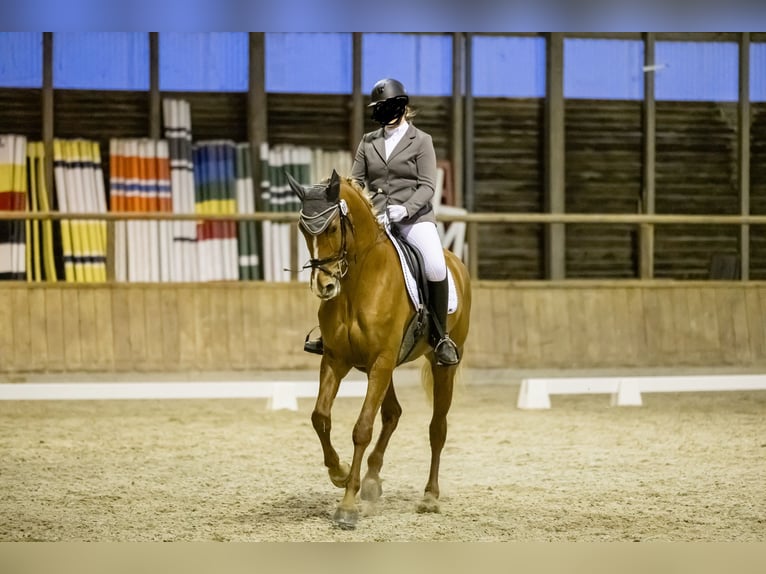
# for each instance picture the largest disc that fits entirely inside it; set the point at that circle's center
(316, 225)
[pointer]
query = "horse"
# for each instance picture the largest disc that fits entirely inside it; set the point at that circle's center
(363, 314)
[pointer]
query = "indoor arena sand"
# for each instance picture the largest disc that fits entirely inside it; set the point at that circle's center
(682, 467)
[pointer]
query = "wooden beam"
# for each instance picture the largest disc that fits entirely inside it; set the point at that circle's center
(155, 108)
(469, 198)
(555, 199)
(457, 149)
(696, 36)
(648, 192)
(478, 218)
(357, 97)
(257, 118)
(743, 148)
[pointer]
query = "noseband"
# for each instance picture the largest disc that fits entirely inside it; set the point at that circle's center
(316, 225)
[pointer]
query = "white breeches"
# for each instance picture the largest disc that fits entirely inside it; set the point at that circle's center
(425, 237)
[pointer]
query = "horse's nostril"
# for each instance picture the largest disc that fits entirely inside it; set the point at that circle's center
(328, 291)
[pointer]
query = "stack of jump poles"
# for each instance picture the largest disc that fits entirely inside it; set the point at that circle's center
(308, 166)
(249, 260)
(171, 175)
(177, 121)
(223, 182)
(216, 193)
(41, 262)
(80, 189)
(13, 188)
(139, 181)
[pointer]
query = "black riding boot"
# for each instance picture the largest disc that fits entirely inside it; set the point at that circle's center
(315, 346)
(444, 347)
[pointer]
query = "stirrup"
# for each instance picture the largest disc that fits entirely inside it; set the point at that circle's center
(446, 352)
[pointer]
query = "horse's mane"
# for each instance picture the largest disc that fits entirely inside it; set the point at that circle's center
(359, 191)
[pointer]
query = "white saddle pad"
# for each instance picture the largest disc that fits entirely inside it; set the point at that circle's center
(411, 283)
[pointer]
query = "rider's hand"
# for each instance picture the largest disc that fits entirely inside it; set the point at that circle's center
(396, 212)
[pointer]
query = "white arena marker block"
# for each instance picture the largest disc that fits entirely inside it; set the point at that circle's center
(628, 394)
(534, 395)
(283, 396)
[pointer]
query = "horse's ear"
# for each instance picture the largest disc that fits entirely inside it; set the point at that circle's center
(333, 190)
(295, 186)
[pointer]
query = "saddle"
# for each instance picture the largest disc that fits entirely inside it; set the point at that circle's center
(418, 327)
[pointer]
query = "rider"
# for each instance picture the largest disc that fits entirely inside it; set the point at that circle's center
(397, 163)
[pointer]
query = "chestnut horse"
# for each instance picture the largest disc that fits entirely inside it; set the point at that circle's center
(363, 315)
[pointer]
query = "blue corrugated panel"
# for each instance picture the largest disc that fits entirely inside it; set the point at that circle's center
(697, 71)
(21, 59)
(603, 69)
(313, 63)
(204, 61)
(758, 72)
(506, 66)
(101, 60)
(423, 63)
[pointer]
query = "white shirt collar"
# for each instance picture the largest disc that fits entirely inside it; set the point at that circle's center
(398, 130)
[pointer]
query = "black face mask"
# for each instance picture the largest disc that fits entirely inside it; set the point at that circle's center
(388, 110)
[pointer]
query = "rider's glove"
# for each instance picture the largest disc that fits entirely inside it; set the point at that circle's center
(396, 212)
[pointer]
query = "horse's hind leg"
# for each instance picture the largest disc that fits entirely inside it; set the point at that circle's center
(390, 411)
(330, 376)
(444, 378)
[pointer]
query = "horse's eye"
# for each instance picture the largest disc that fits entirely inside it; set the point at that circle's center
(332, 228)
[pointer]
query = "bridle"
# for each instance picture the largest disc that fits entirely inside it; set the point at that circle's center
(316, 225)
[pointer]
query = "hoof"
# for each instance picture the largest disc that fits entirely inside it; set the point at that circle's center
(340, 477)
(429, 504)
(371, 489)
(346, 519)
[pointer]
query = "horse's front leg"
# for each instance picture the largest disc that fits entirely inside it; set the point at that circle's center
(330, 376)
(378, 379)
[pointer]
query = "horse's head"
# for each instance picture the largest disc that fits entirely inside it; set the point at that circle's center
(324, 222)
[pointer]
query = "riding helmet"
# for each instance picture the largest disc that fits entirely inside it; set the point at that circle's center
(389, 100)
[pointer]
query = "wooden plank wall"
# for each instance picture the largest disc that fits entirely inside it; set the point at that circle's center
(604, 158)
(696, 174)
(21, 112)
(509, 171)
(322, 121)
(696, 166)
(100, 115)
(256, 326)
(620, 324)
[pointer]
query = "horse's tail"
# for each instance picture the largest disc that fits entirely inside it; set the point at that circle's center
(427, 379)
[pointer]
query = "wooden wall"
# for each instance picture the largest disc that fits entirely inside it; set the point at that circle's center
(509, 171)
(587, 325)
(256, 326)
(696, 174)
(604, 150)
(696, 171)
